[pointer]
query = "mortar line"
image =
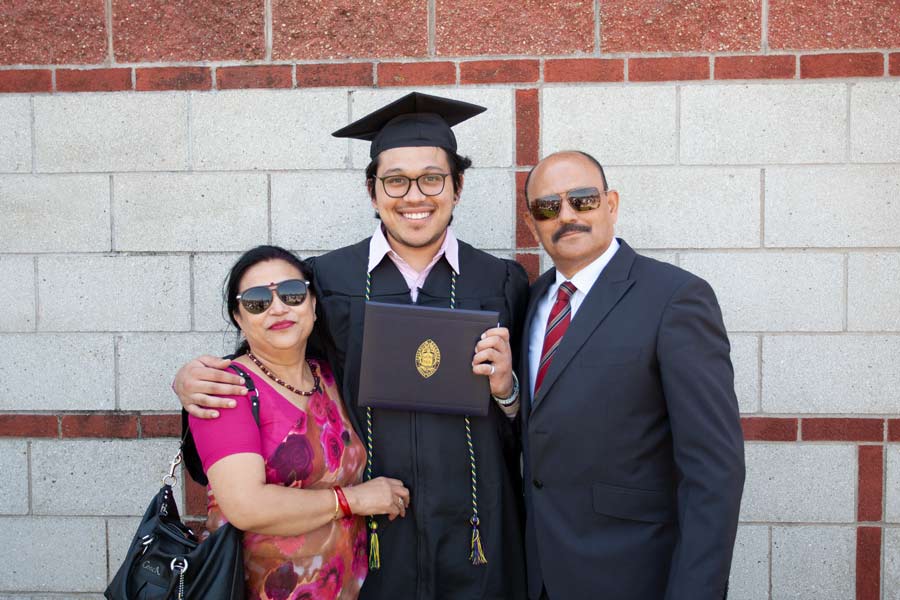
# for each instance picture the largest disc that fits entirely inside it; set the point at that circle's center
(759, 372)
(116, 340)
(28, 474)
(677, 125)
(108, 10)
(598, 51)
(33, 135)
(268, 28)
(53, 79)
(849, 130)
(762, 207)
(432, 28)
(269, 205)
(191, 294)
(112, 214)
(37, 293)
(771, 550)
(190, 131)
(845, 292)
(106, 531)
(764, 27)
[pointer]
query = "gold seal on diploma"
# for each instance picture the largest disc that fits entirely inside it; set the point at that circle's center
(428, 358)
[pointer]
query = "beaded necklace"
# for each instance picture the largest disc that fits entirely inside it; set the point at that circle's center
(282, 382)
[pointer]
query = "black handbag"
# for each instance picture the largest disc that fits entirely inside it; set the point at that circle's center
(166, 561)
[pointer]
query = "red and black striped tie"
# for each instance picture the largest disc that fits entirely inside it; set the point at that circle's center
(557, 323)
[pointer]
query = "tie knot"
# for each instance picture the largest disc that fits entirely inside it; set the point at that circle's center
(565, 291)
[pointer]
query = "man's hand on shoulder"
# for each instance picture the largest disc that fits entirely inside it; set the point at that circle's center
(201, 382)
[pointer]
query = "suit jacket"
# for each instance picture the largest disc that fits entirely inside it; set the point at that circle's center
(633, 451)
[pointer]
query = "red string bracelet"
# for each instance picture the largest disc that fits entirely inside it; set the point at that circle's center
(342, 500)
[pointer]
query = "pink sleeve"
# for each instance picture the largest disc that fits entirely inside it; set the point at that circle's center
(233, 432)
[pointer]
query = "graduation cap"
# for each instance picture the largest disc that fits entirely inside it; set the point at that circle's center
(416, 119)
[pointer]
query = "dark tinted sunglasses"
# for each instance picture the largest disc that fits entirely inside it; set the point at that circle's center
(580, 199)
(257, 299)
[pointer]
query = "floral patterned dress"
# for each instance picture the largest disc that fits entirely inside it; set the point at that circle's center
(312, 449)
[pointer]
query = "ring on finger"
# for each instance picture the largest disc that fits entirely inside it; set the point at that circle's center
(493, 369)
(400, 503)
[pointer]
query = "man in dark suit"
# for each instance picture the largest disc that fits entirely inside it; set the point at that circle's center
(634, 463)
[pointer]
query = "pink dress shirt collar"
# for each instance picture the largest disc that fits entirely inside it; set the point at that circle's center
(379, 247)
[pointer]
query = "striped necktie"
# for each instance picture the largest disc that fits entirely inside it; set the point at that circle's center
(557, 323)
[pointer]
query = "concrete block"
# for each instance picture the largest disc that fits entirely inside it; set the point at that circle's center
(774, 291)
(485, 215)
(190, 211)
(873, 106)
(75, 549)
(79, 376)
(891, 579)
(268, 129)
(65, 482)
(17, 294)
(15, 134)
(616, 125)
(873, 292)
(114, 293)
(111, 132)
(14, 466)
(844, 374)
(209, 277)
(68, 213)
(749, 578)
(745, 360)
(120, 531)
(321, 209)
(892, 476)
(148, 363)
(487, 139)
(833, 206)
(687, 207)
(813, 563)
(661, 255)
(763, 123)
(781, 478)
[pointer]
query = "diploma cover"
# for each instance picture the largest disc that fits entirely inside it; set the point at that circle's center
(419, 358)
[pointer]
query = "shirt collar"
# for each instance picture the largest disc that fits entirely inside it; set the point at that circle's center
(379, 248)
(585, 278)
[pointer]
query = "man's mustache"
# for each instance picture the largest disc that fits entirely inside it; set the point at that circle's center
(568, 228)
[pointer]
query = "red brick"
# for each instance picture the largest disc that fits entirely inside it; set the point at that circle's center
(188, 30)
(26, 80)
(756, 67)
(680, 25)
(263, 76)
(93, 80)
(524, 237)
(769, 429)
(871, 482)
(894, 430)
(335, 75)
(894, 64)
(869, 64)
(427, 73)
(173, 78)
(153, 426)
(565, 70)
(476, 27)
(532, 264)
(868, 563)
(668, 69)
(99, 425)
(52, 32)
(843, 430)
(194, 494)
(317, 29)
(528, 126)
(499, 71)
(29, 426)
(823, 24)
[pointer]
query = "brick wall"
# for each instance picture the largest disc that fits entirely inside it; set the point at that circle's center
(143, 145)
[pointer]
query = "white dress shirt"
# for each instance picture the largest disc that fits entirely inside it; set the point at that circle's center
(583, 281)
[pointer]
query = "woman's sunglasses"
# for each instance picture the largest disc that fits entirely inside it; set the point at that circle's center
(257, 299)
(581, 199)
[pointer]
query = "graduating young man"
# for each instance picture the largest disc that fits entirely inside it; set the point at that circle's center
(462, 533)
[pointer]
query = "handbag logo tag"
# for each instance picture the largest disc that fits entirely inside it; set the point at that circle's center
(155, 569)
(428, 358)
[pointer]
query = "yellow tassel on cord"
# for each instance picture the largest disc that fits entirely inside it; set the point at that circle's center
(477, 554)
(374, 547)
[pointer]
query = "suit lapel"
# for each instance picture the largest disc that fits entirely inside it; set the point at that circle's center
(606, 292)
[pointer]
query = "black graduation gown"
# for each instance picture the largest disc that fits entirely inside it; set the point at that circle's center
(425, 555)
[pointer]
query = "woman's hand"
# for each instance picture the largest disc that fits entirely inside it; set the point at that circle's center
(197, 381)
(380, 496)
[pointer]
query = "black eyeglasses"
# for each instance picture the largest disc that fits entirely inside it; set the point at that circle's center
(258, 299)
(397, 186)
(580, 199)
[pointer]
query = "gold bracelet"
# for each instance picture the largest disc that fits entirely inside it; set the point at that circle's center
(337, 507)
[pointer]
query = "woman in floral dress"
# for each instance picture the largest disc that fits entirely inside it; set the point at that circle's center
(292, 483)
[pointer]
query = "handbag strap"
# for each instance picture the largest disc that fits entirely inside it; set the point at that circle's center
(252, 392)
